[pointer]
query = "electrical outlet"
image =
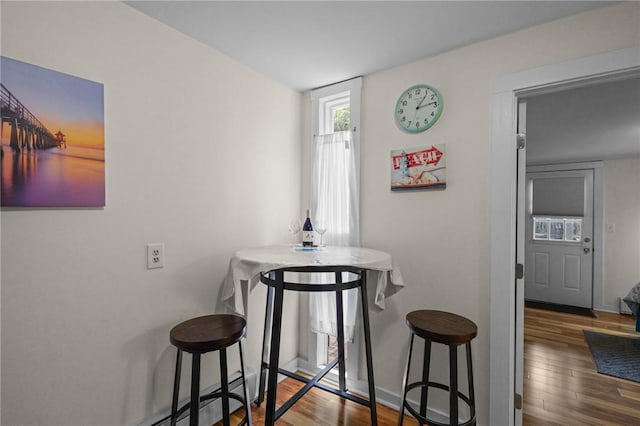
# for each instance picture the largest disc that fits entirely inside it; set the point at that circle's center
(155, 256)
(610, 227)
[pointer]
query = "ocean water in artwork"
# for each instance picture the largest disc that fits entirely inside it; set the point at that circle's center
(53, 177)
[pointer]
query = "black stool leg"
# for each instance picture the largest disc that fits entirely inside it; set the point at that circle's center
(245, 389)
(194, 402)
(176, 389)
(472, 395)
(405, 380)
(272, 383)
(453, 385)
(224, 384)
(425, 377)
(367, 346)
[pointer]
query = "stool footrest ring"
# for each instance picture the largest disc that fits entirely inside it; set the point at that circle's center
(215, 394)
(423, 419)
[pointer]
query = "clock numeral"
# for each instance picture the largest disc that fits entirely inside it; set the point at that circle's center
(433, 113)
(409, 125)
(404, 103)
(403, 119)
(417, 124)
(433, 97)
(426, 120)
(410, 96)
(418, 91)
(401, 111)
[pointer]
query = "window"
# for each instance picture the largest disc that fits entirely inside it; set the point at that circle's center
(336, 113)
(556, 228)
(335, 202)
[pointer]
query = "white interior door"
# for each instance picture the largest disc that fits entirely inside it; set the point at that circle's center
(559, 237)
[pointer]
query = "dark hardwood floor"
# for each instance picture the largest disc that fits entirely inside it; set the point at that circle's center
(561, 385)
(319, 408)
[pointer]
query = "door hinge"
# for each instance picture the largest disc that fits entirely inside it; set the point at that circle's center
(521, 139)
(517, 401)
(519, 271)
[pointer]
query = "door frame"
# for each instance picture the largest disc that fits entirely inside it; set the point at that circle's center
(597, 235)
(609, 66)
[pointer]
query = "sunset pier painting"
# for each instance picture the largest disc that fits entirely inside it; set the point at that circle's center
(52, 138)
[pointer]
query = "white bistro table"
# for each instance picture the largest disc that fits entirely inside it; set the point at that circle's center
(383, 275)
(351, 267)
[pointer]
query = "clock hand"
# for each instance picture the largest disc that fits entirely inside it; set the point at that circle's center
(421, 101)
(414, 117)
(422, 106)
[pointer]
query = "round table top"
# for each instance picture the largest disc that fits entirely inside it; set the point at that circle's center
(296, 255)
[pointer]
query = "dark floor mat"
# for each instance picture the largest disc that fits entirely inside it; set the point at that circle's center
(585, 312)
(616, 356)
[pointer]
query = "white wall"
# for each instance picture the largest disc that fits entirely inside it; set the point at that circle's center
(596, 122)
(80, 313)
(194, 151)
(440, 239)
(621, 244)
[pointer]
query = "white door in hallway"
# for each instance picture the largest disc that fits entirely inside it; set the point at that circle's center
(559, 237)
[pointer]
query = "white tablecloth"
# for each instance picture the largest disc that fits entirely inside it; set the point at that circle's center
(245, 267)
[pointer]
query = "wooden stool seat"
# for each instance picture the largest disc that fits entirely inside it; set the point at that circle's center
(198, 336)
(442, 327)
(208, 333)
(453, 331)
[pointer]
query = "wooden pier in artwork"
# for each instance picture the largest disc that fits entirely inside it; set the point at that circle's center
(27, 132)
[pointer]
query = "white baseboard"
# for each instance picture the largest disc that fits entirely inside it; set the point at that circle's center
(211, 412)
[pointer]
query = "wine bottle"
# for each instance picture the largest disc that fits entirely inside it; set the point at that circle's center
(307, 232)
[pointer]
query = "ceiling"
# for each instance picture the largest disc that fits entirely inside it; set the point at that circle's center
(308, 44)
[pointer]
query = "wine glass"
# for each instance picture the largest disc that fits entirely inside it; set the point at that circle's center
(321, 228)
(294, 228)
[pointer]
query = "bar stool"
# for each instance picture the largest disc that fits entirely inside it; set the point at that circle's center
(451, 330)
(198, 336)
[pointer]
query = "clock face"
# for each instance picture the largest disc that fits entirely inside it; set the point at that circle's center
(418, 108)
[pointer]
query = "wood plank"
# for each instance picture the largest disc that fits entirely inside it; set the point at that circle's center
(559, 371)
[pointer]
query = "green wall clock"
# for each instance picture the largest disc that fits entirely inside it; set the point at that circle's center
(418, 108)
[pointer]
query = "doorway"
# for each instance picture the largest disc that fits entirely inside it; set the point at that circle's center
(507, 286)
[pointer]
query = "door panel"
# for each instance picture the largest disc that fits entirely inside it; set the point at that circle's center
(571, 272)
(559, 255)
(541, 265)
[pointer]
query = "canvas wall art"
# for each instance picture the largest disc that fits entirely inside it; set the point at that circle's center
(419, 168)
(52, 138)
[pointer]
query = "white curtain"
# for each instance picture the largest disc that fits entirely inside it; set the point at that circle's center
(335, 201)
